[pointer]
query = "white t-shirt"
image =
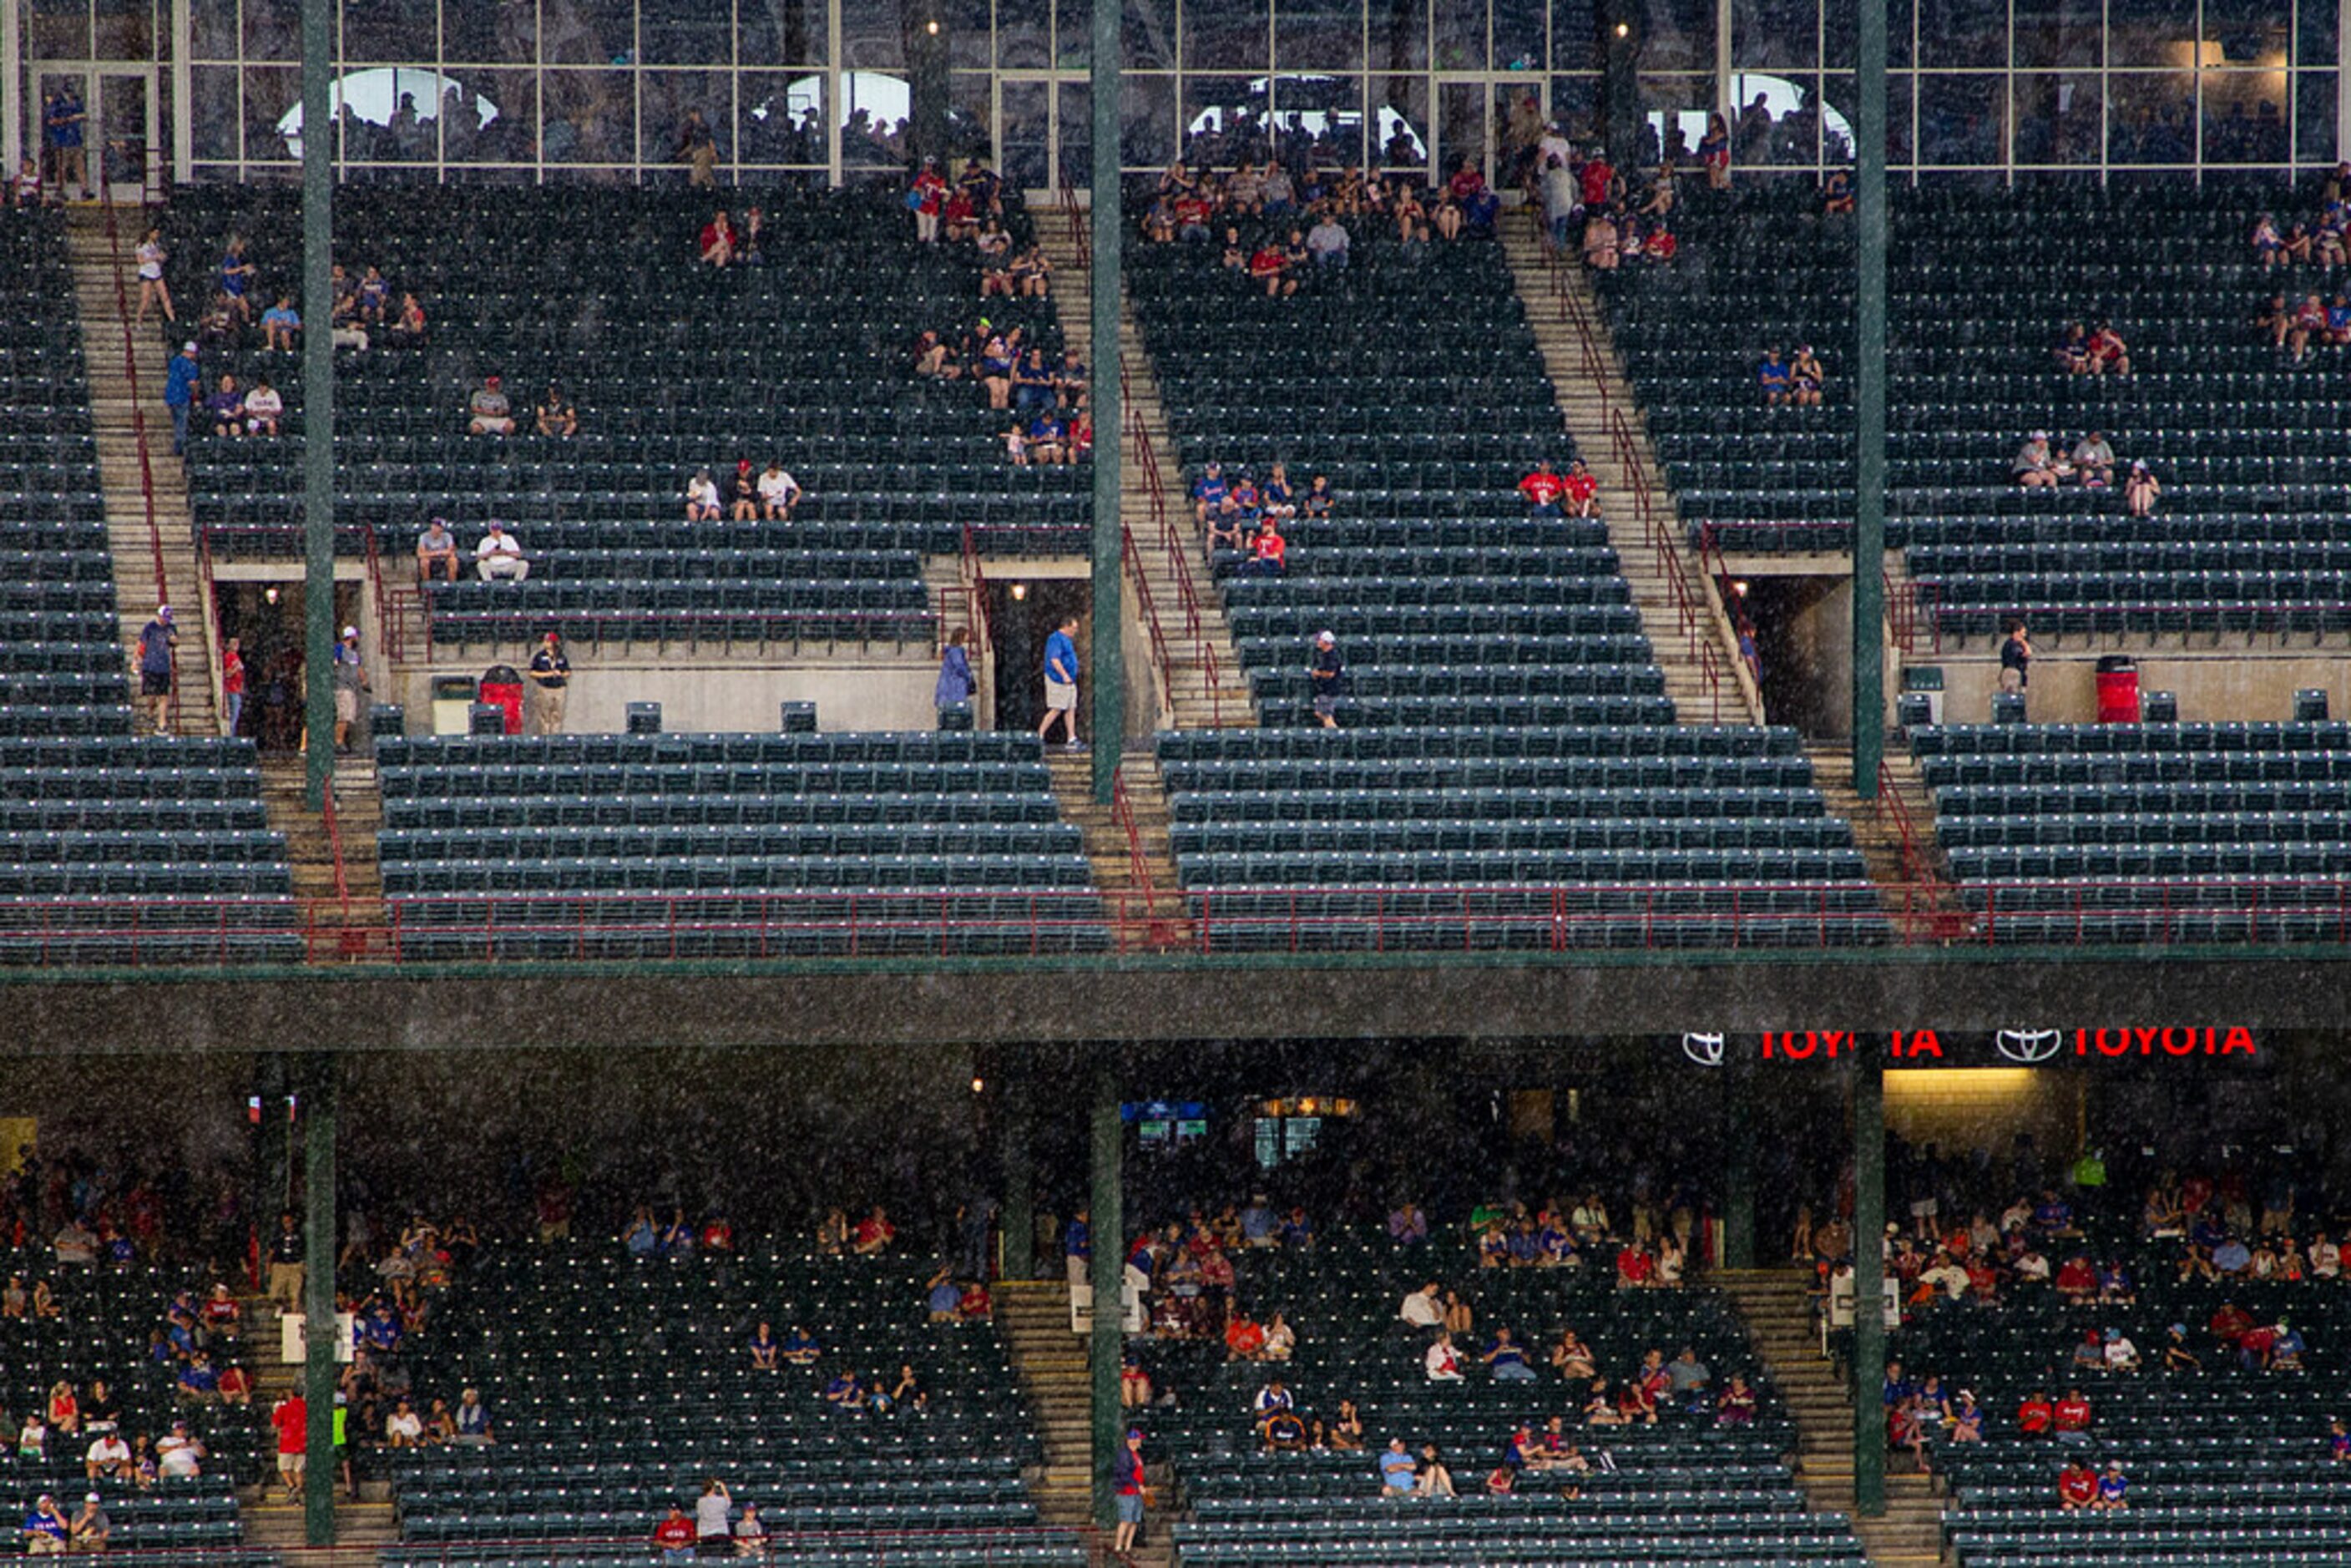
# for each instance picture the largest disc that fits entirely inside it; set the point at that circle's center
(702, 493)
(1443, 1365)
(265, 403)
(151, 261)
(496, 545)
(109, 1450)
(710, 1511)
(1421, 1310)
(410, 1426)
(776, 484)
(177, 1456)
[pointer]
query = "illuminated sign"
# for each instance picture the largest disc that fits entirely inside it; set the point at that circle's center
(2016, 1047)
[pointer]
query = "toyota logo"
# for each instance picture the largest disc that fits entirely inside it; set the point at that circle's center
(2030, 1046)
(1706, 1049)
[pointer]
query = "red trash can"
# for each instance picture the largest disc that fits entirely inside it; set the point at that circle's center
(2118, 689)
(502, 684)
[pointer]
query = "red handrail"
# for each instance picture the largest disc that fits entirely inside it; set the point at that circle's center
(138, 430)
(975, 576)
(1153, 933)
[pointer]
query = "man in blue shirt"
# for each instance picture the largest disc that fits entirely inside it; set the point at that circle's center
(1208, 493)
(180, 386)
(1061, 682)
(1078, 1250)
(156, 641)
(61, 127)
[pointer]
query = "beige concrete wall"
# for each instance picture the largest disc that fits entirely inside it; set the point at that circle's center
(703, 692)
(2211, 685)
(1960, 1109)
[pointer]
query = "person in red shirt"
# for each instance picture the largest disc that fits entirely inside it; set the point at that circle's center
(1270, 548)
(874, 1233)
(2231, 1323)
(2077, 1486)
(1542, 488)
(1579, 489)
(2077, 1281)
(2036, 1416)
(2073, 1418)
(1597, 176)
(1634, 1267)
(232, 681)
(674, 1535)
(1270, 266)
(292, 1420)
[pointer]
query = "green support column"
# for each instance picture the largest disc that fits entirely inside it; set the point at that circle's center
(1109, 1231)
(1109, 670)
(273, 1173)
(1738, 1121)
(1868, 1287)
(1017, 1211)
(1869, 405)
(318, 395)
(318, 1248)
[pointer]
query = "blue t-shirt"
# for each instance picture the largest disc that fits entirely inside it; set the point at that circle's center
(1210, 489)
(1077, 1242)
(65, 122)
(1771, 374)
(280, 316)
(1061, 658)
(180, 380)
(1396, 1471)
(155, 648)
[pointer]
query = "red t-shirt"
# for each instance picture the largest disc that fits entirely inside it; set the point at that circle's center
(2073, 1415)
(1269, 547)
(676, 1533)
(232, 675)
(1597, 176)
(1267, 262)
(292, 1419)
(1633, 1264)
(1542, 488)
(1580, 487)
(2033, 1417)
(2079, 1484)
(2076, 1276)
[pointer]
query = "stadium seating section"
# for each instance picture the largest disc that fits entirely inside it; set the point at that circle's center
(600, 1445)
(117, 848)
(2145, 833)
(674, 366)
(2245, 536)
(1506, 723)
(691, 844)
(1683, 1491)
(101, 1335)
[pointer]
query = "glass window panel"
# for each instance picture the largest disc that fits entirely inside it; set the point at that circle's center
(1225, 35)
(1674, 111)
(212, 111)
(1461, 108)
(1901, 145)
(1399, 34)
(588, 117)
(1901, 37)
(57, 30)
(1318, 34)
(2060, 118)
(1023, 34)
(2152, 33)
(2250, 32)
(1774, 34)
(273, 31)
(1833, 112)
(1574, 37)
(968, 25)
(2150, 117)
(782, 117)
(1147, 34)
(1320, 116)
(1518, 126)
(784, 32)
(1961, 33)
(212, 29)
(874, 106)
(1073, 38)
(1677, 34)
(870, 39)
(1146, 122)
(2245, 117)
(2318, 46)
(1460, 35)
(494, 120)
(487, 34)
(122, 30)
(1777, 118)
(2313, 117)
(1224, 120)
(1076, 130)
(685, 32)
(393, 31)
(2057, 33)
(1838, 41)
(270, 91)
(588, 32)
(1961, 120)
(1025, 133)
(1402, 122)
(1519, 28)
(1575, 107)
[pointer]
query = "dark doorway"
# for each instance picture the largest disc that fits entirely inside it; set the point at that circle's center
(1021, 615)
(1801, 633)
(267, 619)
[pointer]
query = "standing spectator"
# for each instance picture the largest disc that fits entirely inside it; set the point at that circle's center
(233, 682)
(955, 683)
(235, 276)
(62, 128)
(488, 411)
(714, 1523)
(927, 200)
(1061, 684)
(436, 552)
(551, 679)
(351, 686)
(2016, 659)
(291, 1418)
(157, 640)
(181, 383)
(1134, 1497)
(697, 148)
(1329, 673)
(152, 289)
(499, 558)
(286, 1265)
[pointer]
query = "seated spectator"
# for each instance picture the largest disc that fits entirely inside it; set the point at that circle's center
(2077, 1486)
(2090, 1353)
(2032, 467)
(1031, 273)
(556, 416)
(1244, 1338)
(2074, 349)
(2276, 321)
(2109, 355)
(1399, 1475)
(1327, 242)
(2035, 1415)
(1771, 377)
(2077, 1281)
(844, 1392)
(1422, 1308)
(107, 1457)
(2071, 1418)
(2140, 488)
(404, 1429)
(1069, 380)
(2232, 1256)
(1434, 1480)
(976, 1305)
(701, 498)
(488, 413)
(409, 325)
(1579, 490)
(1267, 549)
(1048, 438)
(1032, 383)
(1134, 1390)
(673, 1536)
(1507, 1360)
(278, 325)
(178, 1456)
(1269, 266)
(46, 1532)
(800, 1348)
(1442, 1364)
(1807, 378)
(1346, 1433)
(1280, 1339)
(717, 241)
(1543, 489)
(263, 408)
(945, 1300)
(499, 556)
(198, 1380)
(1316, 502)
(934, 357)
(472, 1421)
(779, 493)
(2121, 1354)
(1689, 1379)
(2176, 1356)
(766, 1349)
(2339, 1441)
(91, 1528)
(1736, 1408)
(2269, 245)
(1570, 1356)
(744, 493)
(1208, 492)
(1408, 1227)
(2296, 244)
(2094, 461)
(226, 406)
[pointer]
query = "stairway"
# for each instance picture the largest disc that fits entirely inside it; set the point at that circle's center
(1773, 1305)
(196, 709)
(363, 1525)
(1915, 892)
(1206, 685)
(347, 925)
(1696, 650)
(1139, 924)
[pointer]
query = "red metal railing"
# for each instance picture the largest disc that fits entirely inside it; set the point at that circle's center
(1155, 634)
(139, 435)
(975, 588)
(82, 933)
(1153, 933)
(1008, 1544)
(1693, 617)
(1901, 609)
